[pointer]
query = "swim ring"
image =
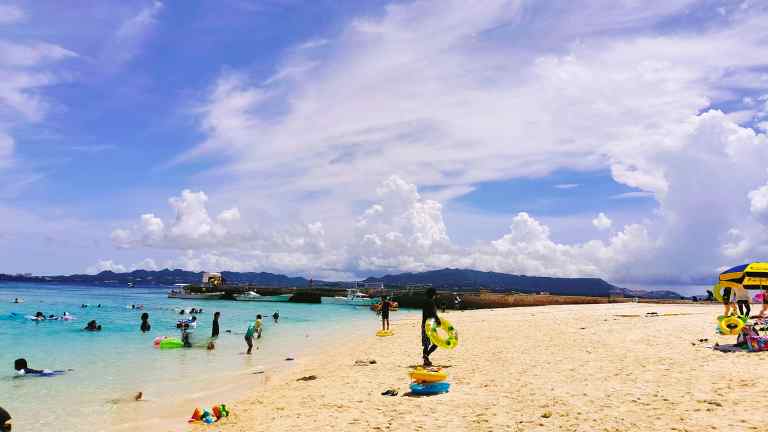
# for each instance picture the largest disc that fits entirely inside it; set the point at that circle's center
(421, 375)
(430, 388)
(451, 338)
(731, 325)
(384, 333)
(170, 343)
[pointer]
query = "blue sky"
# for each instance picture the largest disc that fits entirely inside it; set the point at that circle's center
(350, 138)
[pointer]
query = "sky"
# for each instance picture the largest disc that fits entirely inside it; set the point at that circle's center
(619, 139)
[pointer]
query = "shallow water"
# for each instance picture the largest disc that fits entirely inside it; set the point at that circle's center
(120, 360)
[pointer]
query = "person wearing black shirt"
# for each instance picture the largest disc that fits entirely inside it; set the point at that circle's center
(429, 311)
(215, 329)
(384, 313)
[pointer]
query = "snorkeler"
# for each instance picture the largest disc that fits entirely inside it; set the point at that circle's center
(145, 327)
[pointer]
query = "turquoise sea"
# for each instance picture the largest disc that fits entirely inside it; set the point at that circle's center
(110, 366)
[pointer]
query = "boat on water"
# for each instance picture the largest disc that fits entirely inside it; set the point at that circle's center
(188, 294)
(211, 289)
(253, 296)
(353, 298)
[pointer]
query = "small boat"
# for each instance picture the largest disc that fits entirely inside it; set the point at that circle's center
(253, 296)
(353, 298)
(190, 295)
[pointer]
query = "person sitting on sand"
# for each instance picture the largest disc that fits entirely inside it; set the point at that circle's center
(145, 327)
(215, 327)
(92, 326)
(22, 368)
(428, 311)
(384, 313)
(5, 421)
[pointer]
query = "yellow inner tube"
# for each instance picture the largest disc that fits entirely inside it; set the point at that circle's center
(384, 333)
(449, 340)
(421, 375)
(731, 325)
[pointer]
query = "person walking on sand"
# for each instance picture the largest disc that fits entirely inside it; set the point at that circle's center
(215, 326)
(428, 311)
(145, 327)
(742, 300)
(384, 313)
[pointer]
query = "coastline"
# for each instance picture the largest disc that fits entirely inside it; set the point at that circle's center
(583, 367)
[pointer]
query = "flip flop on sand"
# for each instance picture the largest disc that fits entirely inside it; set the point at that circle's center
(390, 392)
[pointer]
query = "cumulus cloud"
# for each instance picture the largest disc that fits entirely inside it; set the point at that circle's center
(602, 222)
(758, 203)
(449, 97)
(106, 265)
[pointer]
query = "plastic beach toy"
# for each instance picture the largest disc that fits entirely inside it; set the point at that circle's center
(430, 388)
(450, 337)
(421, 375)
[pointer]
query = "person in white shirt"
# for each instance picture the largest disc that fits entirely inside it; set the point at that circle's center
(742, 300)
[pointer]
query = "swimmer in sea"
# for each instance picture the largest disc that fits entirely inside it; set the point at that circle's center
(5, 421)
(22, 368)
(276, 316)
(145, 327)
(39, 315)
(92, 326)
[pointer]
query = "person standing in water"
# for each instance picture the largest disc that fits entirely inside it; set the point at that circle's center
(145, 327)
(276, 316)
(384, 313)
(215, 326)
(428, 311)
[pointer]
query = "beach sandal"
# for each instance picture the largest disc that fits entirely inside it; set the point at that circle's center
(390, 392)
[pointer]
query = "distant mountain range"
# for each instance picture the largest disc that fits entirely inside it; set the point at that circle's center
(445, 279)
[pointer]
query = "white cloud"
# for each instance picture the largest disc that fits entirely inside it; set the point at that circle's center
(106, 265)
(567, 186)
(131, 35)
(447, 97)
(758, 203)
(602, 222)
(10, 14)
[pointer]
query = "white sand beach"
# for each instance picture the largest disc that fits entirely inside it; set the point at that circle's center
(565, 368)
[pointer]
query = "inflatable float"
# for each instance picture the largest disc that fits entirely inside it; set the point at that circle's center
(433, 375)
(730, 325)
(450, 337)
(384, 333)
(171, 343)
(430, 388)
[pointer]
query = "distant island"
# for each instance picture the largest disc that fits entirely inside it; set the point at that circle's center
(448, 279)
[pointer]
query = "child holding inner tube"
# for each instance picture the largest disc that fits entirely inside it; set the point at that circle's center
(428, 311)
